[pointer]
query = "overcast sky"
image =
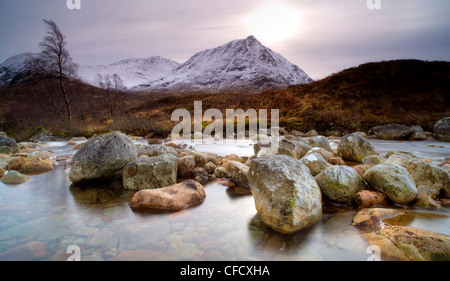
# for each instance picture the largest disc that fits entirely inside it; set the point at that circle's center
(331, 35)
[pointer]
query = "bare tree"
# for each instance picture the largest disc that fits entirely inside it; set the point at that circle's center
(114, 91)
(55, 60)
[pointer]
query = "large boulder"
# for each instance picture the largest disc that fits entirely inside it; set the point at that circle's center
(171, 198)
(340, 183)
(424, 173)
(392, 180)
(320, 141)
(355, 148)
(9, 142)
(441, 129)
(286, 196)
(392, 132)
(315, 163)
(150, 172)
(237, 172)
(102, 157)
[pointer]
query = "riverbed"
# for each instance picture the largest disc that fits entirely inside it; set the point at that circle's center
(52, 213)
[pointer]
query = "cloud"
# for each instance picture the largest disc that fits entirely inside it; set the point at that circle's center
(333, 35)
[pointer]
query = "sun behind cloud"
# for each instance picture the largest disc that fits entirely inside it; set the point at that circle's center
(273, 22)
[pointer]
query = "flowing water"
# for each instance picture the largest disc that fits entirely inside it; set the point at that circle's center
(98, 219)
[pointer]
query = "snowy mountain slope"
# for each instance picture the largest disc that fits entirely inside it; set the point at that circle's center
(132, 71)
(15, 68)
(243, 64)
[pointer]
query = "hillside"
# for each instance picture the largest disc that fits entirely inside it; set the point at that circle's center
(407, 92)
(401, 91)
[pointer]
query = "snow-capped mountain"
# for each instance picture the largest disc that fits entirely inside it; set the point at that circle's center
(15, 68)
(132, 71)
(240, 64)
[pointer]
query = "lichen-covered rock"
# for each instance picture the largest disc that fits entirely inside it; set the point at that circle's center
(286, 196)
(425, 195)
(320, 141)
(373, 160)
(355, 148)
(327, 155)
(315, 163)
(424, 173)
(150, 172)
(9, 142)
(102, 157)
(392, 132)
(340, 183)
(392, 180)
(237, 172)
(361, 169)
(441, 129)
(220, 173)
(155, 150)
(409, 244)
(6, 150)
(178, 196)
(285, 147)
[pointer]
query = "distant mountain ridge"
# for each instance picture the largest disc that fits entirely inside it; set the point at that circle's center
(243, 65)
(239, 64)
(132, 71)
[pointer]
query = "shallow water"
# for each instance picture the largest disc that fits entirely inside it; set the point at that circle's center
(223, 227)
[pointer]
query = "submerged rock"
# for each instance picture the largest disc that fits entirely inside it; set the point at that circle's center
(150, 172)
(409, 244)
(286, 196)
(392, 132)
(340, 183)
(29, 252)
(14, 177)
(392, 180)
(371, 218)
(102, 157)
(355, 148)
(441, 129)
(174, 197)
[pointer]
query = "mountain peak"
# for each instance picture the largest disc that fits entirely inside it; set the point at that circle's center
(243, 64)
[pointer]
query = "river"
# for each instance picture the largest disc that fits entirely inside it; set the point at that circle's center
(98, 220)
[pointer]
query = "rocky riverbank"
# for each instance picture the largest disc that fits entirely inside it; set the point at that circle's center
(290, 189)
